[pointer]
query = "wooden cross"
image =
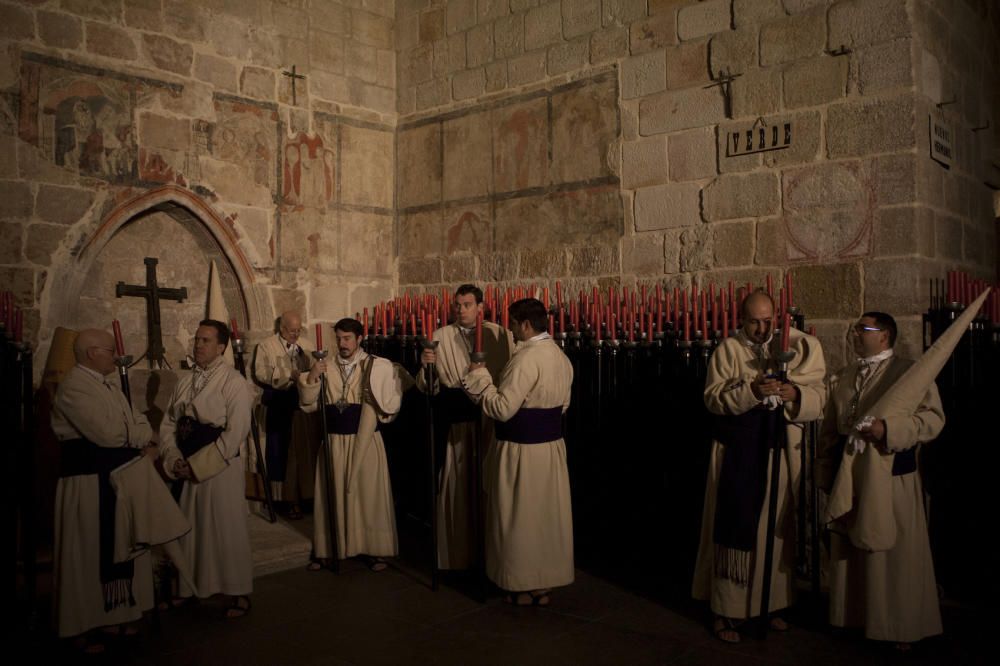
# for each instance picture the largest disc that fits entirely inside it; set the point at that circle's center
(153, 293)
(724, 80)
(292, 75)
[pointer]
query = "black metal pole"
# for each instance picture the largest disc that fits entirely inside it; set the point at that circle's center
(772, 509)
(429, 373)
(331, 486)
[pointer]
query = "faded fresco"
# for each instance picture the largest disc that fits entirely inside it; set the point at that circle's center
(79, 121)
(308, 172)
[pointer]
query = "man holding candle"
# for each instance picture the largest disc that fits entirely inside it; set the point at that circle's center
(529, 518)
(891, 593)
(460, 425)
(291, 436)
(362, 392)
(204, 426)
(98, 432)
(755, 411)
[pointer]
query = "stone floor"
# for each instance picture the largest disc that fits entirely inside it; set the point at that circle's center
(393, 618)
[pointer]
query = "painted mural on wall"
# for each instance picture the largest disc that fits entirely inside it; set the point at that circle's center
(79, 120)
(829, 211)
(308, 170)
(245, 136)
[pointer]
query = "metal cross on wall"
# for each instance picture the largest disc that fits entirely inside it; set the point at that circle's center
(292, 75)
(153, 293)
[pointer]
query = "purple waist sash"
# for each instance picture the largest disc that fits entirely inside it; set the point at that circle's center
(532, 425)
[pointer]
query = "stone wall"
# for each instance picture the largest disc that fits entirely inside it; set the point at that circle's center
(104, 101)
(855, 208)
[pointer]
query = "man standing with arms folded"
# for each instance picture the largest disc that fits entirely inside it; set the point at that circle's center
(204, 426)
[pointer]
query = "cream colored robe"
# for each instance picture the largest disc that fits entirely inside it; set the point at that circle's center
(272, 366)
(454, 508)
(891, 593)
(218, 547)
(732, 369)
(529, 515)
(87, 406)
(362, 493)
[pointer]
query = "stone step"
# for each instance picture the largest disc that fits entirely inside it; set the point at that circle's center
(278, 546)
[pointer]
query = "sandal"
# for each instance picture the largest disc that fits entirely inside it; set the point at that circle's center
(88, 646)
(377, 564)
(779, 624)
(238, 608)
(722, 626)
(318, 565)
(538, 598)
(175, 602)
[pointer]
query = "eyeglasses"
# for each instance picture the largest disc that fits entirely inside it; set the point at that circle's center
(861, 328)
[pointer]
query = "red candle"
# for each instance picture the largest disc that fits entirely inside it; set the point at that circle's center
(704, 324)
(552, 324)
(385, 320)
(785, 325)
(725, 323)
(631, 331)
(781, 303)
(119, 343)
(506, 314)
(732, 308)
(687, 326)
(715, 311)
(562, 319)
(812, 331)
(951, 286)
(749, 290)
(595, 295)
(659, 315)
(642, 296)
(236, 331)
(479, 332)
(558, 294)
(364, 323)
(649, 328)
(319, 337)
(545, 298)
(788, 289)
(770, 286)
(612, 327)
(597, 324)
(687, 307)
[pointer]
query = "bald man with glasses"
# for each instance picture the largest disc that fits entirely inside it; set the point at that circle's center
(892, 594)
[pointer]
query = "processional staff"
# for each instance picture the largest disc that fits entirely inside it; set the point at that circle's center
(331, 504)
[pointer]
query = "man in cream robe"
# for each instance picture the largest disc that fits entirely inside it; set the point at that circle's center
(90, 411)
(529, 516)
(362, 391)
(204, 426)
(741, 378)
(460, 421)
(891, 593)
(291, 436)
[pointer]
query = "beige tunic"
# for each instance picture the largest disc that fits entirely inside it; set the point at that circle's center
(91, 407)
(218, 547)
(529, 516)
(732, 370)
(455, 528)
(359, 473)
(272, 366)
(891, 593)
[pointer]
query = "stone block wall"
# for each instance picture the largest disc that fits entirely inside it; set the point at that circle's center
(103, 101)
(854, 208)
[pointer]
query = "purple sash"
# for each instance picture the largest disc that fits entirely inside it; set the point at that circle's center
(532, 425)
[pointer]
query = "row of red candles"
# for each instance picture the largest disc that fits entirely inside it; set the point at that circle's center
(633, 312)
(963, 289)
(613, 314)
(11, 316)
